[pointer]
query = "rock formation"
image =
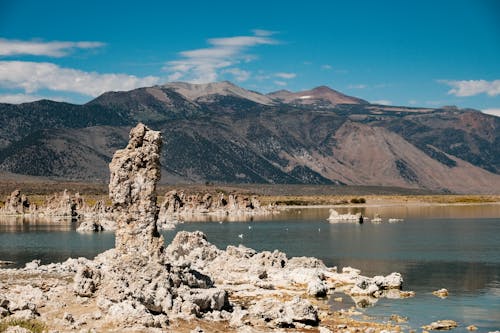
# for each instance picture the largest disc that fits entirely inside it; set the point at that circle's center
(16, 204)
(136, 278)
(63, 205)
(135, 171)
(179, 206)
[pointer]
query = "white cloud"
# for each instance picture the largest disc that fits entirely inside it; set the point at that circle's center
(493, 112)
(285, 75)
(412, 102)
(33, 76)
(19, 98)
(204, 65)
(382, 102)
(465, 88)
(326, 67)
(280, 83)
(357, 86)
(261, 32)
(239, 75)
(12, 47)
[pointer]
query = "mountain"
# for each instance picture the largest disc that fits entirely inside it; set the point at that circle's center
(207, 92)
(318, 97)
(220, 132)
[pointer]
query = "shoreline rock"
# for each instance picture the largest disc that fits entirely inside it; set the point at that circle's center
(441, 293)
(441, 325)
(176, 207)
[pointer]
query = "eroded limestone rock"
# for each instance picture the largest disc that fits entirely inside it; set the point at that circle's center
(136, 280)
(178, 206)
(441, 325)
(16, 204)
(285, 314)
(135, 171)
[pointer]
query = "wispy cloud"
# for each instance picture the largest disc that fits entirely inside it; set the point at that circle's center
(326, 67)
(382, 102)
(357, 86)
(204, 65)
(280, 83)
(466, 88)
(23, 98)
(493, 112)
(285, 75)
(12, 47)
(34, 76)
(262, 32)
(239, 75)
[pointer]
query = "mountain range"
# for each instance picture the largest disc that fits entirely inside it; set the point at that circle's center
(220, 132)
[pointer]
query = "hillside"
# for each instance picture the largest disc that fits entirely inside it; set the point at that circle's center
(223, 133)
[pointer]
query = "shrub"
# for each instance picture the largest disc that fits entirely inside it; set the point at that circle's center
(358, 200)
(32, 325)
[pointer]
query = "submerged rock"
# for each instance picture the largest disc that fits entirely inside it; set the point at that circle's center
(90, 226)
(441, 293)
(441, 325)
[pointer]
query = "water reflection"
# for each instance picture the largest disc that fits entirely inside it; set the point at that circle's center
(35, 223)
(421, 211)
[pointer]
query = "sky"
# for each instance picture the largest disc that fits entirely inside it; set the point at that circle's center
(414, 53)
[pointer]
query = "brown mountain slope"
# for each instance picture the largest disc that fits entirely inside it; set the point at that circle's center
(374, 156)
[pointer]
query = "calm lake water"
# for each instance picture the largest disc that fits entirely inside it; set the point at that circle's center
(457, 248)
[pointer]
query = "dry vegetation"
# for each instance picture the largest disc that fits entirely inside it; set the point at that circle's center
(284, 195)
(32, 325)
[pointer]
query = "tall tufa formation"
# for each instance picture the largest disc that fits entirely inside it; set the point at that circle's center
(134, 283)
(135, 171)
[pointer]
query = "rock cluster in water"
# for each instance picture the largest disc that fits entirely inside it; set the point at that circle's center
(141, 283)
(59, 205)
(179, 206)
(16, 203)
(176, 207)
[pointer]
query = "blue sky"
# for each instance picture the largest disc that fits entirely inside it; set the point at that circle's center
(419, 53)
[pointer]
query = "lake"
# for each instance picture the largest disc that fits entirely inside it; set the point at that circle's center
(452, 247)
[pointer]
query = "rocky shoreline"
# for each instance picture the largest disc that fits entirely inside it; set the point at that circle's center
(176, 207)
(238, 288)
(142, 285)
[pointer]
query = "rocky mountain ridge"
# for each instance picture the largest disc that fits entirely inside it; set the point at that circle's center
(220, 132)
(322, 96)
